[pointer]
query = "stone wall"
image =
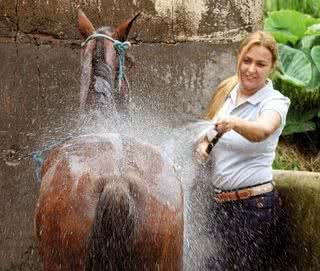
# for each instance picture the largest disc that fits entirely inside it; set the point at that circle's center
(182, 49)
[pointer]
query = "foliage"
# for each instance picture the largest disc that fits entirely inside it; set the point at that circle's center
(288, 26)
(291, 156)
(288, 158)
(298, 73)
(299, 123)
(311, 7)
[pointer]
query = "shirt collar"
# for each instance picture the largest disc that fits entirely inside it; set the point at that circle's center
(256, 98)
(233, 94)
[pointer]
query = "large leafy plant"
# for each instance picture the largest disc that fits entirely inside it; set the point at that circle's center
(298, 73)
(311, 7)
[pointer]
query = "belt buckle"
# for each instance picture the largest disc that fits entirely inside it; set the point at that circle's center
(244, 194)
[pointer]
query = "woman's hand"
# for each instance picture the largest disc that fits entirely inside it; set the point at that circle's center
(200, 149)
(225, 124)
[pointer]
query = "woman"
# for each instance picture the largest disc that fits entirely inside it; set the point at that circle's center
(252, 116)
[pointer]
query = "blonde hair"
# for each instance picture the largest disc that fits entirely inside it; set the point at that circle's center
(220, 94)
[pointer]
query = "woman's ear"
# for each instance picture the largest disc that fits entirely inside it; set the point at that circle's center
(85, 26)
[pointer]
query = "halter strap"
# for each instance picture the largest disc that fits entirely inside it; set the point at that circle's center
(121, 48)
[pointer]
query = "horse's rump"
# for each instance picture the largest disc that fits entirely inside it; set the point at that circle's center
(112, 197)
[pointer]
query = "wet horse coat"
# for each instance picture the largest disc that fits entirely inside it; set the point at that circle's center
(108, 201)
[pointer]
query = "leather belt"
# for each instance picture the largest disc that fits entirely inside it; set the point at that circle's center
(244, 193)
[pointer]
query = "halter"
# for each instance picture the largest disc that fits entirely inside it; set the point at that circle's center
(121, 48)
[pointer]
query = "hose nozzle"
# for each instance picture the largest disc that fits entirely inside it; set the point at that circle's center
(213, 142)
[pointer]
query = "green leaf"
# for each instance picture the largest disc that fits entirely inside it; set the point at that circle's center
(298, 116)
(314, 83)
(294, 65)
(270, 5)
(315, 54)
(298, 75)
(308, 42)
(298, 127)
(281, 35)
(287, 25)
(306, 45)
(302, 98)
(314, 6)
(284, 37)
(310, 21)
(313, 29)
(311, 7)
(300, 122)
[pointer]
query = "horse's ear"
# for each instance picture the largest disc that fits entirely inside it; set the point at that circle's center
(122, 31)
(85, 26)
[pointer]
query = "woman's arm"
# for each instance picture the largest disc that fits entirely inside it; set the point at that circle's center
(254, 131)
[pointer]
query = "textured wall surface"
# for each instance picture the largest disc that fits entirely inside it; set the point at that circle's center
(162, 20)
(301, 196)
(182, 49)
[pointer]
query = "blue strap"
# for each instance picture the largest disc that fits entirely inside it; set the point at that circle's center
(37, 157)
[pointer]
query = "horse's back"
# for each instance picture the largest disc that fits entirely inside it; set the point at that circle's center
(77, 174)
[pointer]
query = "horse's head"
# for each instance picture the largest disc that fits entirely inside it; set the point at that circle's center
(102, 59)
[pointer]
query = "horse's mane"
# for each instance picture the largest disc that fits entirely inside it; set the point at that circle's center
(94, 67)
(86, 68)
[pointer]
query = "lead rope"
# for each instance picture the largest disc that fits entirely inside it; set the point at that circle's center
(121, 48)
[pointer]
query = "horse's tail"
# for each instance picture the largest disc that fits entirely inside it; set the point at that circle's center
(110, 245)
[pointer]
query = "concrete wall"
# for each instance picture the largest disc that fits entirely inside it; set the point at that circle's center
(163, 20)
(301, 197)
(182, 48)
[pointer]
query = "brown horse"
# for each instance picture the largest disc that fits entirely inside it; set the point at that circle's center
(108, 201)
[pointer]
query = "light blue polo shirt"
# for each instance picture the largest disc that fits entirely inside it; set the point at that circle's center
(238, 162)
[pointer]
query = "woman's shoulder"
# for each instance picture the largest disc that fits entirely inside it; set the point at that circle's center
(275, 101)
